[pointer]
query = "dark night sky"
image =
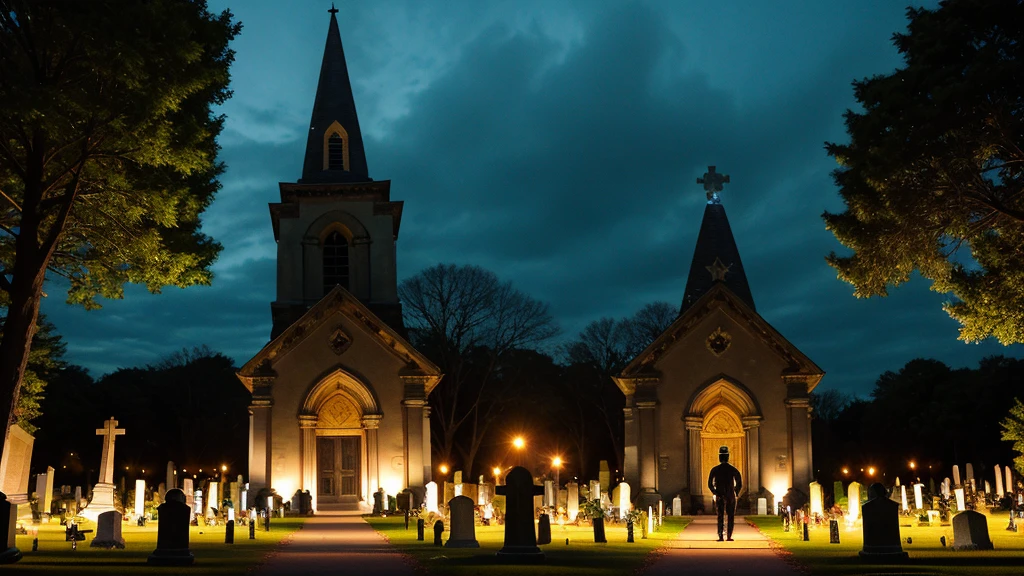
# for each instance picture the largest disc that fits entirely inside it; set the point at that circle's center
(557, 144)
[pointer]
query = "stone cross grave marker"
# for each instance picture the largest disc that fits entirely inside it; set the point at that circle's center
(462, 531)
(881, 528)
(172, 532)
(110, 431)
(520, 537)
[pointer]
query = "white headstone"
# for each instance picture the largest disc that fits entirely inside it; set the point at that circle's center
(549, 493)
(661, 511)
(15, 464)
(244, 496)
(431, 496)
(999, 481)
(1009, 479)
(78, 495)
(988, 487)
(918, 497)
(762, 506)
(624, 500)
(650, 520)
(572, 504)
(677, 506)
(213, 499)
(46, 498)
(197, 507)
(190, 494)
(970, 471)
(140, 498)
(853, 502)
(903, 498)
(960, 504)
(956, 475)
(945, 487)
(595, 490)
(817, 505)
(171, 480)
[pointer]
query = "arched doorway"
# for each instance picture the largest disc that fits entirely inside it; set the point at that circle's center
(338, 451)
(722, 427)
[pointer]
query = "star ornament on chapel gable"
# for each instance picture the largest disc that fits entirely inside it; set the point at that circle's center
(718, 270)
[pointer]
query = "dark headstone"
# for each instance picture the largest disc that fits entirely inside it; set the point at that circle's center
(419, 529)
(807, 534)
(970, 531)
(108, 531)
(520, 538)
(8, 521)
(172, 532)
(833, 532)
(599, 536)
(252, 528)
(629, 531)
(229, 532)
(378, 502)
(407, 519)
(544, 530)
(881, 524)
(463, 528)
(438, 531)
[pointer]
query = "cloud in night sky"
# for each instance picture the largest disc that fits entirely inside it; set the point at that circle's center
(558, 144)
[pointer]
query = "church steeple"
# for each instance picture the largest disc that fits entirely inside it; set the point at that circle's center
(716, 257)
(334, 148)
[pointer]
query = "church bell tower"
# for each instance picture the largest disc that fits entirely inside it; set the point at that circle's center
(336, 226)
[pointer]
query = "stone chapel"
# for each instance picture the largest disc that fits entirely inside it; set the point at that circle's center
(719, 375)
(339, 396)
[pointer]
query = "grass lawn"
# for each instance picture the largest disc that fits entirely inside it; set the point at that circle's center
(213, 556)
(927, 556)
(580, 556)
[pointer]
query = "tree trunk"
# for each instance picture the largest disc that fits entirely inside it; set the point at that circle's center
(26, 291)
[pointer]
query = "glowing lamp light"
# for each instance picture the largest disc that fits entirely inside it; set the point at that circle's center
(846, 470)
(556, 461)
(497, 471)
(223, 467)
(518, 442)
(871, 470)
(912, 465)
(443, 468)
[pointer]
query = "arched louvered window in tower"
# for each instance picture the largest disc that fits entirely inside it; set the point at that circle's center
(335, 250)
(335, 152)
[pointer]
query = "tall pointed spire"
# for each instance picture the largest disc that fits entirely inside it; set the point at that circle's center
(334, 148)
(716, 257)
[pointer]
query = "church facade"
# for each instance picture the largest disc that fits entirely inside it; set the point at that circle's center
(339, 396)
(720, 375)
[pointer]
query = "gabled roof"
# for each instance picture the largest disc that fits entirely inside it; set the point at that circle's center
(341, 300)
(334, 103)
(720, 296)
(715, 244)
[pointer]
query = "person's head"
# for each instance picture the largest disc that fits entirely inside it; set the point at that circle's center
(723, 454)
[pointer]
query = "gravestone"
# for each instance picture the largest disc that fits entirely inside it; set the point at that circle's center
(970, 471)
(172, 532)
(817, 506)
(108, 531)
(44, 490)
(595, 490)
(140, 498)
(549, 493)
(213, 499)
(604, 476)
(624, 500)
(458, 477)
(520, 538)
(970, 531)
(463, 530)
(229, 532)
(572, 501)
(945, 487)
(449, 492)
(881, 528)
(903, 498)
(420, 524)
(677, 506)
(833, 532)
(438, 531)
(762, 505)
(999, 481)
(15, 464)
(171, 476)
(918, 496)
(103, 492)
(961, 504)
(544, 530)
(853, 502)
(431, 497)
(8, 520)
(1009, 479)
(956, 476)
(190, 494)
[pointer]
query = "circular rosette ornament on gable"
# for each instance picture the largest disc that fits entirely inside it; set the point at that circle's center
(339, 341)
(718, 342)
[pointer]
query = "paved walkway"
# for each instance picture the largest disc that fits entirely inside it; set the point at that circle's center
(336, 543)
(697, 551)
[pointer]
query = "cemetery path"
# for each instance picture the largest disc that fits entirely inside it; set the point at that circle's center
(336, 543)
(697, 551)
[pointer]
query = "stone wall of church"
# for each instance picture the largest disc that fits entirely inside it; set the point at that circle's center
(371, 252)
(687, 367)
(301, 369)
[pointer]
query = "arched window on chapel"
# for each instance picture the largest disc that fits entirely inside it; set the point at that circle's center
(335, 152)
(335, 251)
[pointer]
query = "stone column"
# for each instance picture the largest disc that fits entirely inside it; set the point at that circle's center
(261, 431)
(370, 423)
(648, 449)
(630, 461)
(413, 409)
(427, 465)
(798, 419)
(312, 270)
(307, 453)
(694, 462)
(752, 479)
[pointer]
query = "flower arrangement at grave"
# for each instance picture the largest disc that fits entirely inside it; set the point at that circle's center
(591, 509)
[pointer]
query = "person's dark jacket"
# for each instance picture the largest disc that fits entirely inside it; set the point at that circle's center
(725, 481)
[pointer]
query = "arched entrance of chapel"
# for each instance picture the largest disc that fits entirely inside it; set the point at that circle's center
(723, 412)
(339, 422)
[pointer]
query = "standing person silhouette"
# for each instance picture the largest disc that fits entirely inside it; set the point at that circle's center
(725, 483)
